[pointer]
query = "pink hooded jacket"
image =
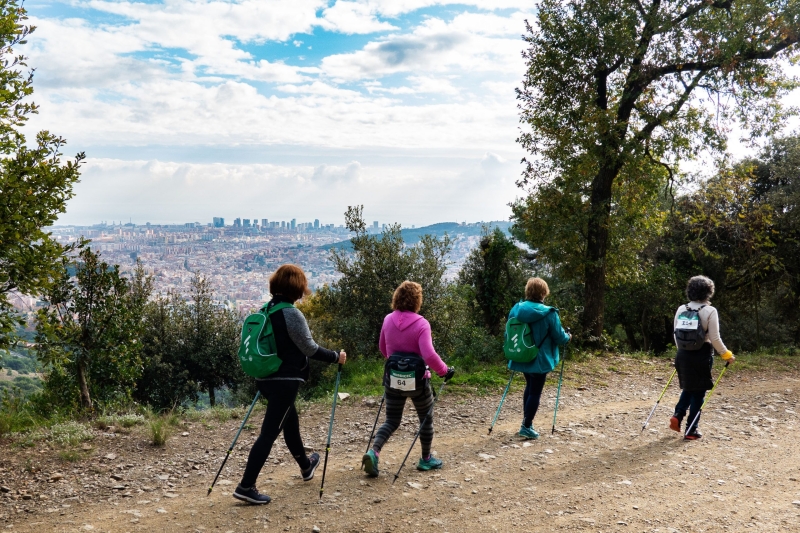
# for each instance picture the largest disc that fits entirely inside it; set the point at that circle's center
(404, 331)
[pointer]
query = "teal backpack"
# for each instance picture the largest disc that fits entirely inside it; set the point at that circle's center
(519, 345)
(258, 352)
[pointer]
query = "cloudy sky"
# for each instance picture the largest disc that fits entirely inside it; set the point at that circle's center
(280, 109)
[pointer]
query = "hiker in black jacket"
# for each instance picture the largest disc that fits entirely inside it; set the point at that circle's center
(295, 347)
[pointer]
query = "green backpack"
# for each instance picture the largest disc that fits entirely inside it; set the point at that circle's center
(519, 345)
(258, 352)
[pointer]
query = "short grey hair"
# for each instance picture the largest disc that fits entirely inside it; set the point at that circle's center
(699, 289)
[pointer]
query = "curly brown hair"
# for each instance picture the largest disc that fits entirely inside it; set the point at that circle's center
(407, 297)
(699, 289)
(290, 282)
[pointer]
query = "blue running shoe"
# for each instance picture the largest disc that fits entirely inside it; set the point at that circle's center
(431, 463)
(528, 433)
(370, 463)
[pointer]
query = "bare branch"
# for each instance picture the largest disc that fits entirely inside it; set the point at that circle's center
(665, 116)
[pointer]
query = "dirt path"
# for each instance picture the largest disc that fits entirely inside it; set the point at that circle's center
(597, 473)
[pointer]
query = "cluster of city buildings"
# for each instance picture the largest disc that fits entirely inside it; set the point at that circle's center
(236, 259)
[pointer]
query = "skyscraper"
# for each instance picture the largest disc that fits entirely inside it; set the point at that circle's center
(264, 223)
(294, 223)
(316, 223)
(219, 222)
(237, 222)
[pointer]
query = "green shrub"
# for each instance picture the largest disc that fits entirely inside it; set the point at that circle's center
(159, 430)
(127, 420)
(68, 434)
(220, 413)
(15, 414)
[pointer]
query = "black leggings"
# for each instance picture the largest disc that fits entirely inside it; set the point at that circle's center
(534, 384)
(281, 415)
(395, 402)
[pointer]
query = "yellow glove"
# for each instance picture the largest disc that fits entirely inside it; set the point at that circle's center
(727, 355)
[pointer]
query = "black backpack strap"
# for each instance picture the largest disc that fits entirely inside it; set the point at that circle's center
(544, 338)
(548, 330)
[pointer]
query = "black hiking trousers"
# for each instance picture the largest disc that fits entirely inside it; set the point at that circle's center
(281, 415)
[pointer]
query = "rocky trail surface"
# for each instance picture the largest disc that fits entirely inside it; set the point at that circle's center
(598, 472)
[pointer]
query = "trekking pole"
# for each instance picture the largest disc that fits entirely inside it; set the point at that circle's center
(558, 394)
(330, 428)
(372, 433)
(258, 394)
(659, 399)
(422, 423)
(501, 401)
(690, 426)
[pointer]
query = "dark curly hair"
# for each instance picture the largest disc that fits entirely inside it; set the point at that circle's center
(407, 297)
(699, 289)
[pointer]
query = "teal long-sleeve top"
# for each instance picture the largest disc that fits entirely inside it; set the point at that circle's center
(543, 319)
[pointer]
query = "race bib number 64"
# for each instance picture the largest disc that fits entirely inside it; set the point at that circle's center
(404, 381)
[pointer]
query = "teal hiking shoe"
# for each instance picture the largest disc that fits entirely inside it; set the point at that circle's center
(528, 432)
(431, 463)
(370, 463)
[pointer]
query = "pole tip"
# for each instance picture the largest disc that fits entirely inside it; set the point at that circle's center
(490, 431)
(209, 491)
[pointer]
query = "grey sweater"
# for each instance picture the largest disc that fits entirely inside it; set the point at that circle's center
(295, 345)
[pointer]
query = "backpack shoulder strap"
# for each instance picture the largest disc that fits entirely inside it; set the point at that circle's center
(268, 309)
(547, 334)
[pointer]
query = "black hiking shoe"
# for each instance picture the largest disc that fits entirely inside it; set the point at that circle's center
(694, 434)
(250, 495)
(308, 474)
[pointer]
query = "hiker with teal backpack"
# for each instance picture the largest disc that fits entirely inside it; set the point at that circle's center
(275, 348)
(533, 335)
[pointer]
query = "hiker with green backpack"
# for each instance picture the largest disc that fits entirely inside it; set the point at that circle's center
(533, 335)
(275, 348)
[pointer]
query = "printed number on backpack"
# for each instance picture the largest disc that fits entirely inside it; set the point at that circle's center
(404, 381)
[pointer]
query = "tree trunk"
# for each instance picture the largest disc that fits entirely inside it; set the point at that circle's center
(631, 336)
(86, 399)
(212, 400)
(597, 249)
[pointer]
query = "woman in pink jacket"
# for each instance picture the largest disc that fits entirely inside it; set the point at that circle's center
(407, 334)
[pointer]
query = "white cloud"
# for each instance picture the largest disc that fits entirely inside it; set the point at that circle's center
(435, 46)
(156, 191)
(353, 17)
(393, 8)
(188, 73)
